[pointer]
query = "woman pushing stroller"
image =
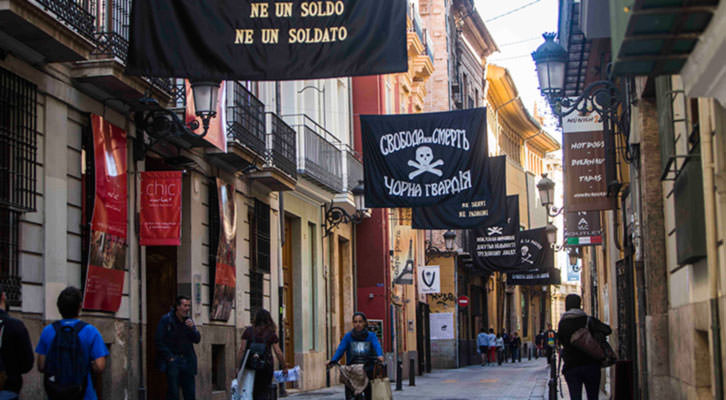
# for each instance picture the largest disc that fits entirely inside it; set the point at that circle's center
(361, 347)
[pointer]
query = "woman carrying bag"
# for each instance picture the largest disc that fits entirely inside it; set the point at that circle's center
(259, 341)
(360, 346)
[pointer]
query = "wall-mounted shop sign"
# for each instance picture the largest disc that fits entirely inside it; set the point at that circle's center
(107, 243)
(267, 40)
(473, 213)
(588, 163)
(429, 279)
(160, 208)
(418, 160)
(582, 228)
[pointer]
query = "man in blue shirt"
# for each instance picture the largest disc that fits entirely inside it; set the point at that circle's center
(94, 349)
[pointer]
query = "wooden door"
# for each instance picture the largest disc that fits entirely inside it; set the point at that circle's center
(160, 295)
(288, 323)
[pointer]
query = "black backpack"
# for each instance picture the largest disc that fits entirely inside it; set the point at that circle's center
(259, 358)
(66, 365)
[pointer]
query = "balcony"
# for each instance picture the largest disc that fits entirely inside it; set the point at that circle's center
(655, 37)
(353, 169)
(280, 169)
(48, 30)
(319, 157)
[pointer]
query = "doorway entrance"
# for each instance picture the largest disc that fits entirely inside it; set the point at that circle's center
(160, 294)
(287, 294)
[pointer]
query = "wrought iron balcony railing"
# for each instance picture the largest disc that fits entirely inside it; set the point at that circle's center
(245, 119)
(416, 22)
(79, 15)
(281, 144)
(354, 169)
(319, 157)
(429, 45)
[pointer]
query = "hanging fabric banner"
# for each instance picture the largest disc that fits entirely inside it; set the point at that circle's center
(217, 133)
(494, 247)
(586, 163)
(225, 275)
(534, 277)
(160, 208)
(536, 260)
(107, 242)
(267, 40)
(418, 160)
(474, 212)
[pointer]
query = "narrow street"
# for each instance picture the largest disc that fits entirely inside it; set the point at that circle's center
(525, 380)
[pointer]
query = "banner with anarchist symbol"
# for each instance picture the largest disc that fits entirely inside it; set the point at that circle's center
(475, 211)
(419, 160)
(494, 247)
(429, 279)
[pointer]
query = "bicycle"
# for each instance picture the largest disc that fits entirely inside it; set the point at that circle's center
(379, 369)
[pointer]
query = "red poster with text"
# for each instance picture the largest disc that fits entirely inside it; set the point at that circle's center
(160, 209)
(107, 247)
(217, 133)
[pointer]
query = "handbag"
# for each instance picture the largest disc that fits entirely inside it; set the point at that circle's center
(596, 347)
(381, 385)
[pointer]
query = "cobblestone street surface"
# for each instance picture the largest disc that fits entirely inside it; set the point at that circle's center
(525, 380)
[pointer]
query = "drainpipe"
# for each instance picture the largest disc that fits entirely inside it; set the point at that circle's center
(707, 163)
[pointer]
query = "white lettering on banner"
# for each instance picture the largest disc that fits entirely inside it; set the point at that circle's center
(600, 144)
(445, 187)
(587, 162)
(393, 142)
(590, 178)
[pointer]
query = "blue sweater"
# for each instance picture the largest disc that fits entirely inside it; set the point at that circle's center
(344, 346)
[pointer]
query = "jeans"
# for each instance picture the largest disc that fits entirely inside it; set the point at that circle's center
(589, 375)
(515, 354)
(179, 373)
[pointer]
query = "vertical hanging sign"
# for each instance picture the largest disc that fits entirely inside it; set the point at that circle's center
(225, 280)
(107, 244)
(160, 208)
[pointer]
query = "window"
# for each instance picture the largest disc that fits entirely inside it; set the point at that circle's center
(18, 153)
(259, 225)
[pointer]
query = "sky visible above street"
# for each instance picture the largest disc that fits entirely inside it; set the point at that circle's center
(517, 27)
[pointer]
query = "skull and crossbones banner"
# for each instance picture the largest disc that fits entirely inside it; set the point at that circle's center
(475, 211)
(418, 160)
(536, 260)
(494, 246)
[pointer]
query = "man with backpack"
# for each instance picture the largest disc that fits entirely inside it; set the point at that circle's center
(580, 367)
(16, 352)
(175, 339)
(69, 350)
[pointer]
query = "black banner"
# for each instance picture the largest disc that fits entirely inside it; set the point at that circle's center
(267, 40)
(420, 160)
(494, 247)
(475, 211)
(534, 277)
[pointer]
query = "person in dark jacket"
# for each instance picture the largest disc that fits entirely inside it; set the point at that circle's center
(579, 368)
(175, 339)
(263, 330)
(360, 346)
(16, 352)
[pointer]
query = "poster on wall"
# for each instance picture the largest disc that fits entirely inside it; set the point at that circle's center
(376, 326)
(420, 160)
(441, 326)
(225, 275)
(472, 213)
(265, 40)
(429, 279)
(108, 241)
(402, 260)
(160, 208)
(495, 246)
(217, 133)
(587, 163)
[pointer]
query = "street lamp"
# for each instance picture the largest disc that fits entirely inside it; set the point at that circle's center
(205, 94)
(551, 230)
(546, 188)
(335, 215)
(433, 251)
(574, 255)
(550, 60)
(449, 238)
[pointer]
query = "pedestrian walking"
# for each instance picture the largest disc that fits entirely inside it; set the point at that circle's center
(579, 368)
(70, 342)
(500, 348)
(492, 354)
(361, 347)
(261, 340)
(549, 341)
(482, 342)
(176, 335)
(515, 346)
(539, 344)
(16, 352)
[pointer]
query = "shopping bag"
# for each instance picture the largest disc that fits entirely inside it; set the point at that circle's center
(244, 384)
(381, 389)
(293, 375)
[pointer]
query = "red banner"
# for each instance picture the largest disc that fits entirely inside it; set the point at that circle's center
(107, 247)
(217, 133)
(160, 210)
(225, 275)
